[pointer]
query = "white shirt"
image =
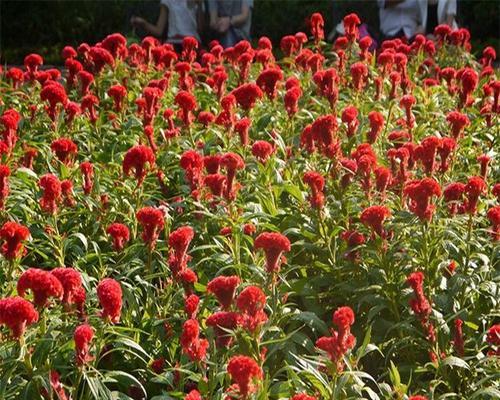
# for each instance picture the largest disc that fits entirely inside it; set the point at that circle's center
(181, 20)
(405, 16)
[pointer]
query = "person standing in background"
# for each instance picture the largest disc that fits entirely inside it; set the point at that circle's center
(180, 17)
(402, 18)
(231, 20)
(440, 12)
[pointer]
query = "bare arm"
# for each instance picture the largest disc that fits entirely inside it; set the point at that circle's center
(240, 19)
(153, 29)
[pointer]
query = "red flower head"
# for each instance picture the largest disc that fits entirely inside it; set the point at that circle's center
(4, 184)
(289, 45)
(87, 169)
(337, 345)
(494, 217)
(17, 313)
(291, 100)
(273, 244)
(192, 163)
(376, 125)
(420, 193)
(212, 163)
(407, 102)
(351, 23)
(484, 161)
(67, 193)
(251, 302)
(317, 27)
(458, 340)
(216, 183)
(221, 322)
(458, 122)
(205, 118)
(193, 395)
(191, 304)
(52, 192)
(118, 93)
(109, 293)
(179, 241)
(445, 148)
(350, 117)
(469, 80)
(31, 63)
(116, 44)
(474, 188)
(243, 127)
(224, 289)
(247, 95)
(418, 397)
(83, 336)
(426, 153)
(262, 150)
(65, 150)
(419, 304)
(71, 281)
(359, 73)
(68, 52)
(453, 193)
(374, 217)
(43, 284)
(303, 396)
(187, 102)
(268, 80)
(232, 162)
(13, 234)
(152, 222)
(383, 178)
(324, 130)
(54, 93)
(120, 235)
(136, 159)
(244, 372)
(317, 183)
(190, 341)
(493, 336)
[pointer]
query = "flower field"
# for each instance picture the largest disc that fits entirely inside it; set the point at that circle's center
(230, 224)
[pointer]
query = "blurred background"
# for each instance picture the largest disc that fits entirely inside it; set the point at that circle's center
(46, 26)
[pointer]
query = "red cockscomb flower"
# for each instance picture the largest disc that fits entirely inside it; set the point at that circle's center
(187, 102)
(65, 150)
(453, 193)
(224, 289)
(251, 302)
(268, 80)
(376, 120)
(374, 217)
(139, 158)
(232, 162)
(420, 193)
(273, 244)
(17, 313)
(473, 189)
(152, 222)
(190, 341)
(303, 396)
(179, 241)
(317, 27)
(316, 182)
(120, 235)
(87, 170)
(323, 132)
(493, 339)
(71, 281)
(351, 23)
(52, 192)
(109, 293)
(43, 284)
(341, 341)
(193, 395)
(221, 322)
(359, 73)
(118, 94)
(247, 95)
(191, 304)
(244, 372)
(82, 336)
(12, 235)
(493, 215)
(4, 184)
(262, 150)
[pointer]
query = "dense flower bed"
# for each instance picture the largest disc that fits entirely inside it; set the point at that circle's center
(225, 225)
